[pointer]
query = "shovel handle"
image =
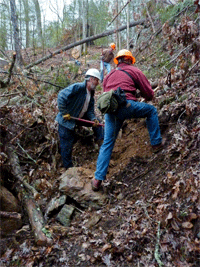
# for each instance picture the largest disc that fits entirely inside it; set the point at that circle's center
(79, 119)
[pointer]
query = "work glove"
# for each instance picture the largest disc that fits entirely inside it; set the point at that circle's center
(96, 123)
(67, 117)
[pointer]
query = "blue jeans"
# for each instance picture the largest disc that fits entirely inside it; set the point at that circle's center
(113, 123)
(67, 141)
(107, 66)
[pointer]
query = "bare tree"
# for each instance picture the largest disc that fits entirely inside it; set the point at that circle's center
(117, 40)
(27, 21)
(84, 22)
(38, 18)
(128, 21)
(17, 43)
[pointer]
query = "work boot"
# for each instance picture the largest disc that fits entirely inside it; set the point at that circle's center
(96, 184)
(157, 148)
(99, 142)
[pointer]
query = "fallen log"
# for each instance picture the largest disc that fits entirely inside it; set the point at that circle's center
(8, 214)
(16, 170)
(35, 215)
(37, 221)
(88, 39)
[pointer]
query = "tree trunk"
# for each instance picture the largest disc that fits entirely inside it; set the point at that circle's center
(16, 32)
(39, 21)
(4, 27)
(128, 30)
(27, 20)
(84, 23)
(88, 39)
(117, 41)
(37, 221)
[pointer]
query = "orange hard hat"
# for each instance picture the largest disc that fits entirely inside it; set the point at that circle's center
(112, 45)
(124, 53)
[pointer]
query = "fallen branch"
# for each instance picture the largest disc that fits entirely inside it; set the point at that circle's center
(8, 95)
(149, 41)
(150, 19)
(183, 50)
(26, 153)
(156, 253)
(35, 215)
(192, 68)
(39, 80)
(37, 221)
(16, 170)
(143, 173)
(10, 215)
(119, 13)
(5, 84)
(11, 141)
(88, 39)
(31, 78)
(4, 54)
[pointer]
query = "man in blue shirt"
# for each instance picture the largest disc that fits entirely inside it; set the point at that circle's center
(77, 100)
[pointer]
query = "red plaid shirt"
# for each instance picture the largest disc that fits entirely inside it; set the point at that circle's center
(118, 78)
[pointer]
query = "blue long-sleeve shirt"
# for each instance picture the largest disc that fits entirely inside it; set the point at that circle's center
(70, 101)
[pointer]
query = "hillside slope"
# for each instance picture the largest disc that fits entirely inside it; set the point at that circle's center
(152, 215)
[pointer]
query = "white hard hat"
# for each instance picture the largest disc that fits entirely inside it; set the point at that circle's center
(94, 73)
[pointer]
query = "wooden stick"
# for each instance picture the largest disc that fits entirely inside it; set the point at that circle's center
(156, 253)
(10, 215)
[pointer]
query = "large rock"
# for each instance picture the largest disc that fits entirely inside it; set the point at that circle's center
(8, 226)
(64, 216)
(76, 183)
(54, 204)
(7, 201)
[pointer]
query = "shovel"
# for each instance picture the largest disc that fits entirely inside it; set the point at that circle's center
(79, 119)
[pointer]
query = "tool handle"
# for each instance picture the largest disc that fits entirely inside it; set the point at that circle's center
(83, 120)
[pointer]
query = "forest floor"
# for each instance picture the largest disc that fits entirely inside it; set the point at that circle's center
(152, 216)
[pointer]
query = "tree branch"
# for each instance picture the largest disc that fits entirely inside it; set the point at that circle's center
(119, 12)
(5, 84)
(88, 39)
(10, 215)
(156, 253)
(35, 215)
